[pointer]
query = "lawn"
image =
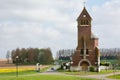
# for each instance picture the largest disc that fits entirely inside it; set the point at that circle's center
(90, 73)
(111, 61)
(114, 76)
(45, 77)
(29, 73)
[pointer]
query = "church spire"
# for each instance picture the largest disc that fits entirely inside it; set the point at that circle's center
(84, 2)
(83, 13)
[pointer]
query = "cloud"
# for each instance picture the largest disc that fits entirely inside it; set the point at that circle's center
(52, 23)
(37, 23)
(107, 24)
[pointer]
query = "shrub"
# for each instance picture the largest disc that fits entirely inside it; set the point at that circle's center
(92, 69)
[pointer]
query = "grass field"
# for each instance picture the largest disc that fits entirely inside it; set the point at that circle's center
(29, 73)
(91, 73)
(114, 76)
(45, 77)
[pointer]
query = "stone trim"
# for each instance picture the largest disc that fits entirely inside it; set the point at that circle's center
(83, 61)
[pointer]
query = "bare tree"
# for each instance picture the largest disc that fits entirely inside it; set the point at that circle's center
(8, 56)
(65, 54)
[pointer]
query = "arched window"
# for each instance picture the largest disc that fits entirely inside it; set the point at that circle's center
(81, 23)
(87, 22)
(82, 51)
(87, 51)
(84, 22)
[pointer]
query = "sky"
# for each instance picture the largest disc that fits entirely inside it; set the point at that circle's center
(52, 23)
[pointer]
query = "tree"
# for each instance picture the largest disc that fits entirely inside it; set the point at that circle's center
(65, 54)
(32, 55)
(45, 56)
(13, 55)
(8, 56)
(118, 59)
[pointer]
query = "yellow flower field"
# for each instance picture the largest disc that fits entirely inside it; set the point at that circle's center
(14, 70)
(20, 68)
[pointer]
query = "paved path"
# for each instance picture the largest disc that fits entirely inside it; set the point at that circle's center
(101, 76)
(97, 76)
(53, 68)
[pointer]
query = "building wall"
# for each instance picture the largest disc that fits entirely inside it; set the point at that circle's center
(85, 42)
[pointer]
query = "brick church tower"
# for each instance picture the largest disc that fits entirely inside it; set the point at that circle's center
(87, 52)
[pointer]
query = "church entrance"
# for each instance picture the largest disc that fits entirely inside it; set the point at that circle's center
(84, 66)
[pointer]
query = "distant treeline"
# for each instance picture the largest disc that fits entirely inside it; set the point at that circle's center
(65, 54)
(110, 53)
(32, 55)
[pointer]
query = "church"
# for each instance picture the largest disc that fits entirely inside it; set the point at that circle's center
(87, 53)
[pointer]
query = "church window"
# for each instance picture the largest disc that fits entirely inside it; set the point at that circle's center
(84, 22)
(87, 51)
(87, 22)
(82, 51)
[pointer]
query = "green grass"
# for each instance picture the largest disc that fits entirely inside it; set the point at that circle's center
(114, 76)
(90, 73)
(111, 61)
(108, 71)
(45, 77)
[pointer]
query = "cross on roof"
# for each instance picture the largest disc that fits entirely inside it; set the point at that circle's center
(84, 2)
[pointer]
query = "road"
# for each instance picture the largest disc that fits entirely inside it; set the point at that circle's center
(101, 76)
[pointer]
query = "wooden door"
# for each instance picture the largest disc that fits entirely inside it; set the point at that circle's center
(84, 66)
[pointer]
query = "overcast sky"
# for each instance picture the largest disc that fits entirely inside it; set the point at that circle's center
(52, 23)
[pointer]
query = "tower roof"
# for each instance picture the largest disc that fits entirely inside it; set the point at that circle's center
(93, 36)
(84, 13)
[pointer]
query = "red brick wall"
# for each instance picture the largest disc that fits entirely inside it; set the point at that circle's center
(84, 34)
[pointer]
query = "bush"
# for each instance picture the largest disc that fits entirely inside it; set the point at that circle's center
(104, 64)
(92, 69)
